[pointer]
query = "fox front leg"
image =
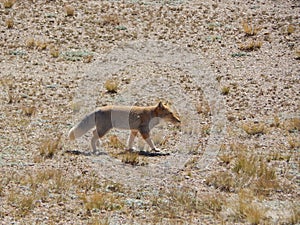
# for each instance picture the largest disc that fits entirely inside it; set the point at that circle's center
(146, 137)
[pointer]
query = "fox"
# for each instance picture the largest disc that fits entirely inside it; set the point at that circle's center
(137, 119)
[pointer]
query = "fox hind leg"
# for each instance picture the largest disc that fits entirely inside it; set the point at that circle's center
(97, 134)
(94, 140)
(131, 139)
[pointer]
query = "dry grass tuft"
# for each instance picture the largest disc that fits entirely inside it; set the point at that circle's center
(294, 142)
(290, 29)
(254, 128)
(110, 19)
(41, 45)
(294, 217)
(29, 110)
(203, 108)
(30, 43)
(114, 142)
(250, 29)
(131, 158)
(54, 52)
(225, 90)
(245, 208)
(111, 85)
(8, 3)
(223, 181)
(292, 125)
(49, 147)
(102, 201)
(9, 23)
(251, 45)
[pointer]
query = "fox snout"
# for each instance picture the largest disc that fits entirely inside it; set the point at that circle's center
(176, 120)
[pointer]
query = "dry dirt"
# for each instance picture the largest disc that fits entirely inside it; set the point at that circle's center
(229, 69)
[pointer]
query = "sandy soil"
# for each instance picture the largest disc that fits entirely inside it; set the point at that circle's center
(229, 69)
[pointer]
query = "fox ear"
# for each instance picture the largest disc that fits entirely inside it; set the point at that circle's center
(160, 105)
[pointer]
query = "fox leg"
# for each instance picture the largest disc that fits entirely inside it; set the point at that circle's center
(94, 140)
(146, 137)
(96, 135)
(131, 139)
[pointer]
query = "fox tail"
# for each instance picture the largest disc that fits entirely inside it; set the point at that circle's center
(83, 126)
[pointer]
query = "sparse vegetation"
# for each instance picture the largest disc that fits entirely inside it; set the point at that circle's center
(216, 68)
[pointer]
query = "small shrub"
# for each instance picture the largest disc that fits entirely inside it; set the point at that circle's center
(9, 23)
(70, 10)
(111, 85)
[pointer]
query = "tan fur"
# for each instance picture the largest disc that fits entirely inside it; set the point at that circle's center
(134, 118)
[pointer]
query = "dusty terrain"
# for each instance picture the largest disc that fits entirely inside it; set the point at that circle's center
(231, 72)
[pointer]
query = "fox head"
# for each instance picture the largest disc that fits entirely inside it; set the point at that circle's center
(164, 112)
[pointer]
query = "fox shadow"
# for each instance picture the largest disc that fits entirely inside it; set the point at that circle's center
(145, 153)
(98, 153)
(78, 152)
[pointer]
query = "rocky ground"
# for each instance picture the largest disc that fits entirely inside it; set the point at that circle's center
(229, 69)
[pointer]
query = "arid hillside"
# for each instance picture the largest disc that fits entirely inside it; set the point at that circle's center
(229, 69)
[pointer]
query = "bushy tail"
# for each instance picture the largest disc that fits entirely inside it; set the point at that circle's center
(83, 126)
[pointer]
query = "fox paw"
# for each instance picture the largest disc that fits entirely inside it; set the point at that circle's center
(130, 149)
(155, 150)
